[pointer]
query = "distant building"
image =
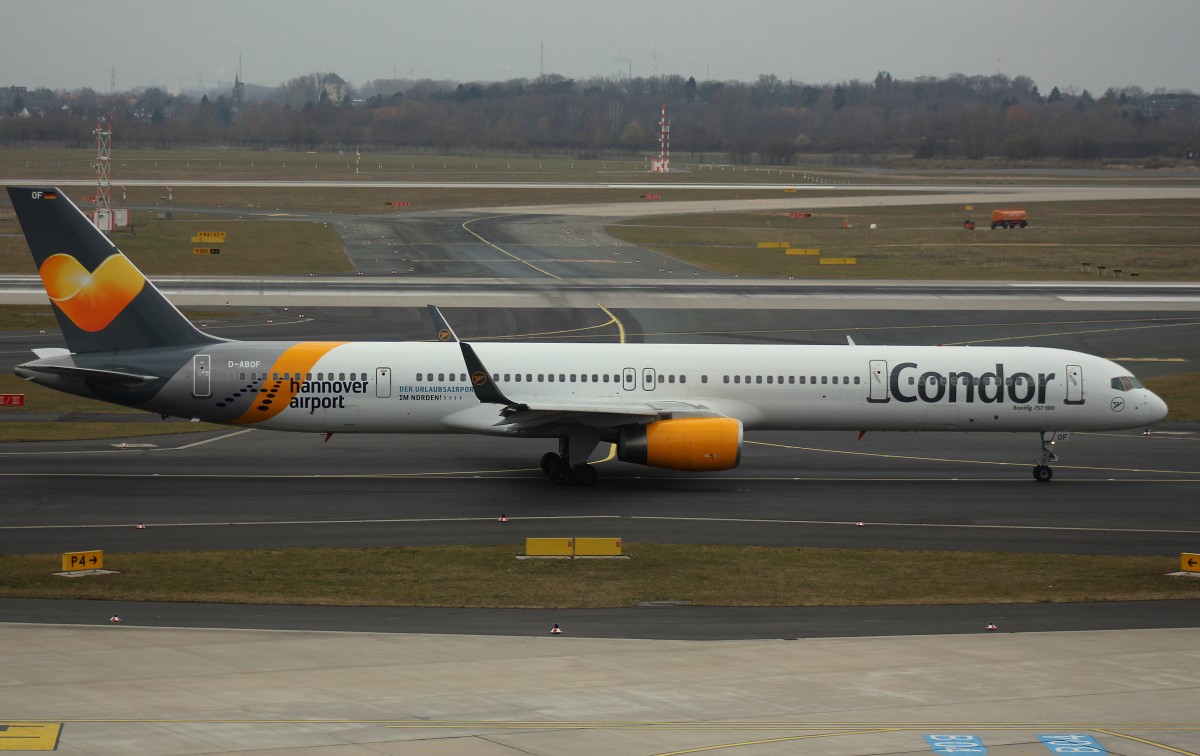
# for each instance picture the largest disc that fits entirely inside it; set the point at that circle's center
(239, 89)
(1159, 105)
(10, 95)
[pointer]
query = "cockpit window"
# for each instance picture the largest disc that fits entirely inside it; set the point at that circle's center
(1126, 383)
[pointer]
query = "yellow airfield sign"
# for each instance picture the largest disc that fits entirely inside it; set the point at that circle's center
(209, 236)
(1189, 562)
(82, 560)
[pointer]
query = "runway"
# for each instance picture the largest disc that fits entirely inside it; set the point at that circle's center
(236, 489)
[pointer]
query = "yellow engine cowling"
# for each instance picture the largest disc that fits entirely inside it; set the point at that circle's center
(692, 444)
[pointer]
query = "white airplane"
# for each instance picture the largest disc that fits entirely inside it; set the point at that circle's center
(674, 406)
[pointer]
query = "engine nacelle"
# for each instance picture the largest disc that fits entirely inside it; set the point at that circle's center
(691, 444)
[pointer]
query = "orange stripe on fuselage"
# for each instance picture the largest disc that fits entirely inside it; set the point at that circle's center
(275, 395)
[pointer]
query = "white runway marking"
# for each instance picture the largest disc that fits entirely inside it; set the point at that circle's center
(306, 522)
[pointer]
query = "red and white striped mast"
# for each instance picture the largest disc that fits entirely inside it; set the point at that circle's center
(663, 163)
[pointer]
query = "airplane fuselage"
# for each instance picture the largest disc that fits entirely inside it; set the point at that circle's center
(388, 387)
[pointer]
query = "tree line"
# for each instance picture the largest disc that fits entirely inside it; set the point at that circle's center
(767, 121)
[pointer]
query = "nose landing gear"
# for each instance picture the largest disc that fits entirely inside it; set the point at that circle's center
(1042, 473)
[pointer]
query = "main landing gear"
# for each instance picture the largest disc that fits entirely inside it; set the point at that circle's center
(563, 473)
(569, 466)
(1042, 472)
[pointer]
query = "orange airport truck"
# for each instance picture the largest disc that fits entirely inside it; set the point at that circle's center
(1009, 218)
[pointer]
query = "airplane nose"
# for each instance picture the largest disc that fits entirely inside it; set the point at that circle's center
(1156, 408)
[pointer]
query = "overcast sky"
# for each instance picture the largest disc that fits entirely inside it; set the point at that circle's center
(1090, 44)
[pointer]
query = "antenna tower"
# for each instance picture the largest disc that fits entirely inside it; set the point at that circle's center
(663, 163)
(103, 215)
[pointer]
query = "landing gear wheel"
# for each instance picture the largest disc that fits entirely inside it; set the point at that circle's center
(1042, 473)
(560, 474)
(550, 460)
(585, 475)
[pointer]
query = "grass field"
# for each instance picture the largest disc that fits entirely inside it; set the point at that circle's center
(42, 163)
(1157, 241)
(491, 576)
(164, 247)
(1181, 392)
(217, 162)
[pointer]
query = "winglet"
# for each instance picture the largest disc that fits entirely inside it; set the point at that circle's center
(850, 341)
(444, 331)
(486, 390)
(481, 380)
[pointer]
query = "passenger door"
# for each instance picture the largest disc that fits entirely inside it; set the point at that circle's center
(1074, 384)
(878, 380)
(201, 375)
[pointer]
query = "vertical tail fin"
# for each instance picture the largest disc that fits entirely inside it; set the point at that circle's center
(102, 301)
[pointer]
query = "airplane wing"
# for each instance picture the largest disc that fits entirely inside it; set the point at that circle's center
(597, 414)
(528, 416)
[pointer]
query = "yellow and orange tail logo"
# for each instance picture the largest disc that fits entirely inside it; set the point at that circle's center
(91, 300)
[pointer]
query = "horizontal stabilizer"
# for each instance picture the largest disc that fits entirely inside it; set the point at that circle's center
(105, 376)
(45, 352)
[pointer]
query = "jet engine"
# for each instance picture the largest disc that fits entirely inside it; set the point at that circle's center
(692, 444)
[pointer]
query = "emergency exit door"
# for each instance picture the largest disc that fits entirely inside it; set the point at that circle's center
(629, 379)
(648, 379)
